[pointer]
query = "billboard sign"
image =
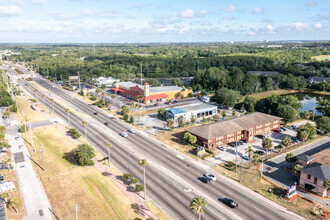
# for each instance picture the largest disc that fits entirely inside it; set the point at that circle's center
(73, 77)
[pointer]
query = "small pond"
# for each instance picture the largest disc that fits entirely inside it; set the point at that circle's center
(309, 100)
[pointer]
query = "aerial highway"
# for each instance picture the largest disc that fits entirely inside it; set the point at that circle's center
(171, 177)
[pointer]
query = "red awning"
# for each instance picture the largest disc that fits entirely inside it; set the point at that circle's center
(134, 94)
(158, 96)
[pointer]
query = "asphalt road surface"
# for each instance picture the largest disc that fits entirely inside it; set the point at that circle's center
(171, 178)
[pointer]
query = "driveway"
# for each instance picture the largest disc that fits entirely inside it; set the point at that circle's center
(275, 170)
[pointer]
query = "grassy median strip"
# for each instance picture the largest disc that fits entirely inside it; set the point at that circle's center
(156, 211)
(251, 178)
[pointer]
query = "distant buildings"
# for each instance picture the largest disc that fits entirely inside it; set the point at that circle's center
(235, 129)
(317, 79)
(197, 110)
(150, 94)
(106, 81)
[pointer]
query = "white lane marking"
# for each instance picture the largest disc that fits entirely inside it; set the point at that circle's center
(179, 156)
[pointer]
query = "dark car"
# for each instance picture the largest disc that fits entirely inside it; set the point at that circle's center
(95, 113)
(261, 136)
(106, 123)
(260, 152)
(229, 202)
(204, 179)
(294, 140)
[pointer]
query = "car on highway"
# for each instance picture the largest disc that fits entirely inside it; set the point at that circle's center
(210, 176)
(131, 130)
(16, 138)
(106, 123)
(204, 179)
(260, 152)
(277, 130)
(222, 148)
(245, 157)
(123, 134)
(95, 113)
(229, 202)
(20, 146)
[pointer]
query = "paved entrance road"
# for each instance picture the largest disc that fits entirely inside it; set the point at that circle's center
(274, 169)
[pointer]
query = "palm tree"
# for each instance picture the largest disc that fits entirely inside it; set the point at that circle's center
(14, 204)
(68, 112)
(143, 163)
(84, 123)
(108, 146)
(197, 205)
(256, 159)
(267, 143)
(161, 112)
(4, 196)
(170, 123)
(103, 96)
(52, 101)
(249, 151)
(286, 142)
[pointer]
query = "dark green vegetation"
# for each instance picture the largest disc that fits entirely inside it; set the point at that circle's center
(5, 99)
(83, 155)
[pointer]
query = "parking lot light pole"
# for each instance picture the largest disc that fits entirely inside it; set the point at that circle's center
(262, 167)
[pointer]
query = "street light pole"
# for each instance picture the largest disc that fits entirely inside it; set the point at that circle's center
(240, 172)
(236, 156)
(43, 159)
(31, 134)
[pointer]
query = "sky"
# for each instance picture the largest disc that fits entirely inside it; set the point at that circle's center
(117, 21)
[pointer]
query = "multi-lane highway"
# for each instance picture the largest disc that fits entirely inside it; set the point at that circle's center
(171, 178)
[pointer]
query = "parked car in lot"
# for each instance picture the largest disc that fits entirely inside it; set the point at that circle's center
(229, 202)
(210, 176)
(261, 136)
(245, 157)
(222, 148)
(276, 130)
(124, 134)
(260, 152)
(282, 129)
(16, 138)
(131, 130)
(233, 144)
(204, 179)
(294, 140)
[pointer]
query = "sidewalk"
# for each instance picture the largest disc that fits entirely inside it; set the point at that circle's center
(137, 201)
(35, 200)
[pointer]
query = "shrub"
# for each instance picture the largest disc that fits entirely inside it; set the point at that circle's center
(134, 181)
(190, 95)
(125, 117)
(83, 154)
(74, 133)
(22, 129)
(33, 100)
(2, 136)
(131, 120)
(139, 188)
(93, 98)
(125, 177)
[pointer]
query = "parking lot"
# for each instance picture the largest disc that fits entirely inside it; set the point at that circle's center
(230, 155)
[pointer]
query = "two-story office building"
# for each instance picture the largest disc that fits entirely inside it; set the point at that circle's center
(235, 129)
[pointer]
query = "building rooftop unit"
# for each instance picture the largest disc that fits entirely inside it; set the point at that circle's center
(221, 128)
(164, 89)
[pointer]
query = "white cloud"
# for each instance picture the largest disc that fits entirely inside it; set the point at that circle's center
(258, 10)
(10, 10)
(58, 28)
(166, 16)
(61, 16)
(252, 33)
(230, 8)
(318, 26)
(270, 27)
(87, 12)
(12, 1)
(38, 1)
(311, 4)
(228, 18)
(300, 26)
(189, 13)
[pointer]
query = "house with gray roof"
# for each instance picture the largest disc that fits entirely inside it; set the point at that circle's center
(304, 160)
(317, 79)
(313, 177)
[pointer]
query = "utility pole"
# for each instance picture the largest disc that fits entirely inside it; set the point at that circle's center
(236, 157)
(11, 90)
(43, 159)
(262, 167)
(141, 72)
(79, 81)
(240, 172)
(31, 134)
(24, 120)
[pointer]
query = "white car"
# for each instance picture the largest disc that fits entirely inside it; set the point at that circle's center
(124, 134)
(222, 148)
(210, 176)
(17, 138)
(131, 130)
(246, 157)
(20, 146)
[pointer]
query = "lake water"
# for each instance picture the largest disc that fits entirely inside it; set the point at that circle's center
(309, 100)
